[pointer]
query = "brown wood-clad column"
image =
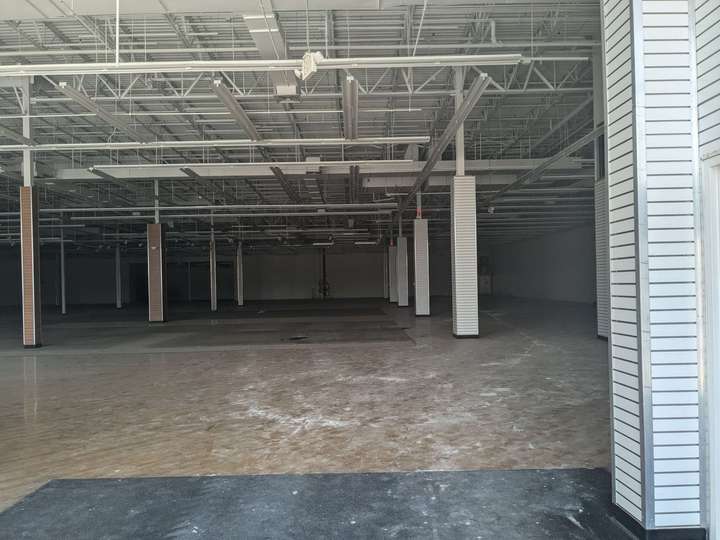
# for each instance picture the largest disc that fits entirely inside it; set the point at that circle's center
(157, 275)
(30, 271)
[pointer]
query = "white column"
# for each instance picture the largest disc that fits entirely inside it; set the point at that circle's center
(118, 278)
(63, 304)
(239, 285)
(402, 272)
(463, 235)
(711, 311)
(652, 140)
(422, 267)
(392, 270)
(213, 273)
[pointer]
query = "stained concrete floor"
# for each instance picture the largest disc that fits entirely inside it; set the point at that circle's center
(342, 387)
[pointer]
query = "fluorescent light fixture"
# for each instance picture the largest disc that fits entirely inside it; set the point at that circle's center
(366, 243)
(319, 244)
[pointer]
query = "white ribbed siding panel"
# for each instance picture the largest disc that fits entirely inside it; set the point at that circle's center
(463, 239)
(392, 272)
(602, 258)
(402, 272)
(707, 39)
(711, 299)
(652, 153)
(625, 366)
(422, 267)
(671, 172)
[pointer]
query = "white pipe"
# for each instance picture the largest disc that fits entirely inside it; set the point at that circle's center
(314, 206)
(460, 135)
(117, 32)
(217, 143)
(244, 66)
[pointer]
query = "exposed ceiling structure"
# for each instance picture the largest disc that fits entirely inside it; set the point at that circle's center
(285, 123)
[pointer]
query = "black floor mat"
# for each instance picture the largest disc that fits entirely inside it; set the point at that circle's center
(529, 504)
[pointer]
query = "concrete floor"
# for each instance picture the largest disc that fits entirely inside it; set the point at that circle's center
(301, 388)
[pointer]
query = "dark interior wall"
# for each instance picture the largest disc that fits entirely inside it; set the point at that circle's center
(91, 278)
(559, 266)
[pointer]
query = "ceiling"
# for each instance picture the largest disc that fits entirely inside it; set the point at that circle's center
(200, 113)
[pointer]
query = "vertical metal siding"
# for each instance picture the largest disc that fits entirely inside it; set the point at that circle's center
(402, 271)
(625, 363)
(707, 41)
(463, 234)
(602, 258)
(671, 170)
(422, 267)
(392, 269)
(652, 154)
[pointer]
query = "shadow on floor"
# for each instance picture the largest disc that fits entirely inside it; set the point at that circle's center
(521, 504)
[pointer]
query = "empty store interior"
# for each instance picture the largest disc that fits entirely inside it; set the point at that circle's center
(262, 258)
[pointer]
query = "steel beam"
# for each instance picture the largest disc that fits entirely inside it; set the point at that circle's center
(473, 95)
(88, 104)
(236, 111)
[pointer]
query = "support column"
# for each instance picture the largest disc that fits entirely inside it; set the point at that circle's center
(118, 278)
(157, 275)
(386, 276)
(422, 267)
(658, 463)
(63, 303)
(29, 236)
(189, 281)
(392, 271)
(463, 235)
(213, 273)
(239, 284)
(402, 272)
(30, 255)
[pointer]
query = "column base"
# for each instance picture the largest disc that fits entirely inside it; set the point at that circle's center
(466, 336)
(655, 534)
(36, 346)
(422, 314)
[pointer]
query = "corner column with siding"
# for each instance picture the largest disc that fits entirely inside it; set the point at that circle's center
(652, 172)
